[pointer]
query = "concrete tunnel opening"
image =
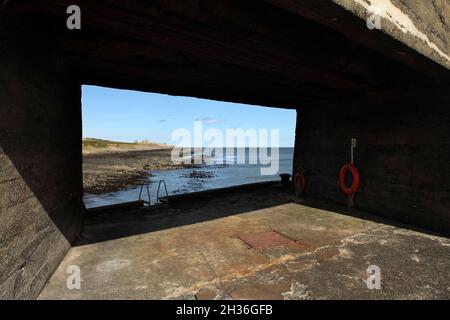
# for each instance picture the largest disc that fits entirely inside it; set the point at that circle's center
(348, 74)
(132, 143)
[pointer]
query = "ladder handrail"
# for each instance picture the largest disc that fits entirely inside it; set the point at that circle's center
(148, 193)
(157, 193)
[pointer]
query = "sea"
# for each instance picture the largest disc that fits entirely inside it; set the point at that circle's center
(236, 168)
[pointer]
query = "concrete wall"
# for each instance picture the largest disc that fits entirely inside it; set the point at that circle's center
(422, 25)
(403, 154)
(40, 168)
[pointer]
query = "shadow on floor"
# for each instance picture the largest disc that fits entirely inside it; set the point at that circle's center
(341, 209)
(106, 226)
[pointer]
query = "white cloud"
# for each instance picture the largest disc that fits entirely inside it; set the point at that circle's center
(208, 120)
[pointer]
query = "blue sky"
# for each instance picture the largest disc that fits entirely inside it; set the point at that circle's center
(123, 115)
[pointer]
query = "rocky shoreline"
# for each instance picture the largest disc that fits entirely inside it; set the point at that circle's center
(112, 171)
(98, 183)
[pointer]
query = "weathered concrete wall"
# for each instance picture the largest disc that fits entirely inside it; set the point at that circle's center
(422, 25)
(403, 155)
(414, 33)
(40, 168)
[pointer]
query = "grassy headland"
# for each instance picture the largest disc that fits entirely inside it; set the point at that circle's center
(113, 165)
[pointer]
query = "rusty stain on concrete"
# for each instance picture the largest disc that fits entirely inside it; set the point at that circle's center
(205, 294)
(260, 292)
(263, 240)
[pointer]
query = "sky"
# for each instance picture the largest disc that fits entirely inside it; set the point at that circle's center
(128, 116)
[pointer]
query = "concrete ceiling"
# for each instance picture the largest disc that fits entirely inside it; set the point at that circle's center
(283, 53)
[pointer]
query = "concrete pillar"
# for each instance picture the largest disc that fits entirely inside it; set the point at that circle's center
(40, 167)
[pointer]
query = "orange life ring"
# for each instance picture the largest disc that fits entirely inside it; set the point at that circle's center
(355, 184)
(299, 176)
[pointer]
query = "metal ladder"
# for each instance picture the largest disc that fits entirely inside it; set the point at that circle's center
(158, 198)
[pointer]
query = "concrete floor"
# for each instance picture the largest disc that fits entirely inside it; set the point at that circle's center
(203, 250)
